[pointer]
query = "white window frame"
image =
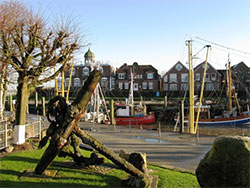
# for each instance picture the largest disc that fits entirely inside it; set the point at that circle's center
(165, 78)
(150, 85)
(136, 86)
(150, 75)
(173, 77)
(165, 87)
(172, 87)
(120, 85)
(77, 82)
(197, 76)
(144, 85)
(184, 77)
(126, 85)
(121, 76)
(85, 71)
(213, 76)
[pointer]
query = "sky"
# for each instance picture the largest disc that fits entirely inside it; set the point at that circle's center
(154, 31)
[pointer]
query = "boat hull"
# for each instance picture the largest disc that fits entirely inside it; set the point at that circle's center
(238, 120)
(146, 120)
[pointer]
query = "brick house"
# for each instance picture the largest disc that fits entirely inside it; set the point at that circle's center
(241, 77)
(212, 81)
(176, 78)
(146, 78)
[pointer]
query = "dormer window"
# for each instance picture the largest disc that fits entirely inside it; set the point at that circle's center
(121, 76)
(85, 71)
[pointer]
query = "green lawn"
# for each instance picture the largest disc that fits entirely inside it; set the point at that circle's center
(13, 165)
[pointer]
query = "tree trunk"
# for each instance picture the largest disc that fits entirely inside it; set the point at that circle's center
(1, 98)
(23, 94)
(73, 116)
(5, 87)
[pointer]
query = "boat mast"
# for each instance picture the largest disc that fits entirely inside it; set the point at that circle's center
(202, 89)
(131, 92)
(229, 89)
(70, 78)
(191, 89)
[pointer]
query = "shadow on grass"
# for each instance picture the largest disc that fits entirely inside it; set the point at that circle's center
(106, 181)
(10, 172)
(20, 159)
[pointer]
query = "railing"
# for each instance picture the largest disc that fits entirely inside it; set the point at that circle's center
(4, 134)
(7, 134)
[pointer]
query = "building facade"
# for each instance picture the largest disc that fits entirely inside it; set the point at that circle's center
(176, 79)
(146, 78)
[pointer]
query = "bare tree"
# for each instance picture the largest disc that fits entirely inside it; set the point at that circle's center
(32, 47)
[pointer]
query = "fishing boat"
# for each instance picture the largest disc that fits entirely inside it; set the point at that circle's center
(130, 115)
(232, 116)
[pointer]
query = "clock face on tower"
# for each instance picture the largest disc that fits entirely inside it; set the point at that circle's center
(178, 67)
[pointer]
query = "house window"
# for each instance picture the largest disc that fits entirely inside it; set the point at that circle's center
(184, 87)
(173, 77)
(121, 76)
(213, 76)
(209, 86)
(126, 85)
(104, 82)
(112, 84)
(173, 87)
(144, 85)
(178, 67)
(197, 76)
(184, 77)
(150, 85)
(140, 76)
(165, 79)
(73, 72)
(120, 85)
(67, 82)
(77, 82)
(150, 75)
(198, 86)
(85, 71)
(135, 86)
(207, 77)
(165, 87)
(59, 82)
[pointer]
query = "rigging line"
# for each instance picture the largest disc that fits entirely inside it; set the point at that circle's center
(222, 46)
(224, 50)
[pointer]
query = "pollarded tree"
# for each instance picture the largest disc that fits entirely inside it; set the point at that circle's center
(32, 48)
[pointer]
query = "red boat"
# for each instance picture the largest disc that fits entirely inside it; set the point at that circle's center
(149, 119)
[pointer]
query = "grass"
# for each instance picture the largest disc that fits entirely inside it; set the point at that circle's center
(13, 165)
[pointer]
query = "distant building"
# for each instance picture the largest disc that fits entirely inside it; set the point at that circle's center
(241, 77)
(176, 79)
(146, 78)
(81, 72)
(212, 80)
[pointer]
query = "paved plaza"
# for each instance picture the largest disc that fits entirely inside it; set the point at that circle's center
(172, 150)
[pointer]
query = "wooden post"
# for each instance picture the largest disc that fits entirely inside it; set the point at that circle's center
(159, 129)
(40, 128)
(43, 105)
(165, 101)
(5, 134)
(36, 102)
(10, 103)
(181, 119)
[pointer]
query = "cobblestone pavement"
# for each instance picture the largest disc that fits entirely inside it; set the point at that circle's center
(172, 150)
